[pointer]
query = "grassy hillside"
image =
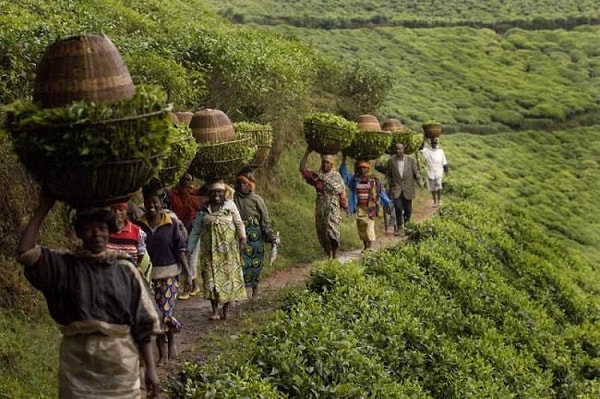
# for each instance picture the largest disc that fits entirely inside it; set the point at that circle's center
(350, 13)
(492, 298)
(473, 80)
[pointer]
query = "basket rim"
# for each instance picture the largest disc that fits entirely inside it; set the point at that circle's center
(308, 122)
(220, 143)
(116, 162)
(88, 123)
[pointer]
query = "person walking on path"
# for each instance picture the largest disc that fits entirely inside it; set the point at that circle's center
(166, 245)
(220, 230)
(102, 303)
(365, 195)
(436, 166)
(186, 200)
(403, 175)
(331, 199)
(255, 215)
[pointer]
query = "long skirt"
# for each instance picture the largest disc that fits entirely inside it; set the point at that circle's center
(254, 255)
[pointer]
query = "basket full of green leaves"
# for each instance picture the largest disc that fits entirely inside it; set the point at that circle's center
(222, 160)
(327, 133)
(262, 137)
(368, 144)
(412, 140)
(178, 157)
(88, 152)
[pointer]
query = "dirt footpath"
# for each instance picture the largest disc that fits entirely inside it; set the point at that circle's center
(193, 313)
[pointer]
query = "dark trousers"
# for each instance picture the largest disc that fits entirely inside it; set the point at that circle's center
(403, 208)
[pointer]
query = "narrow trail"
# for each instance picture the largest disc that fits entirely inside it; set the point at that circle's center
(193, 342)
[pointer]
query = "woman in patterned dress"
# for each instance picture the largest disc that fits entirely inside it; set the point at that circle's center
(256, 218)
(331, 199)
(165, 243)
(222, 236)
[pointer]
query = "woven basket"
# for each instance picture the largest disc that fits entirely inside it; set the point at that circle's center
(263, 139)
(184, 118)
(80, 185)
(369, 145)
(326, 139)
(368, 123)
(392, 125)
(432, 130)
(82, 68)
(222, 160)
(211, 126)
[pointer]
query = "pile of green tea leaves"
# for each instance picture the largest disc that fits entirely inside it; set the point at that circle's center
(368, 145)
(180, 154)
(411, 139)
(86, 133)
(328, 133)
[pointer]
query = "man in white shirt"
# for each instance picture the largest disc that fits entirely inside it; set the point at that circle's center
(437, 167)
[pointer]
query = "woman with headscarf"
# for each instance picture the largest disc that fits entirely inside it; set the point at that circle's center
(222, 236)
(331, 199)
(365, 194)
(255, 216)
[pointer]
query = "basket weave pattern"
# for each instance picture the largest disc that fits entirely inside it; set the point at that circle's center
(326, 139)
(432, 131)
(82, 68)
(369, 145)
(263, 139)
(212, 126)
(222, 160)
(106, 184)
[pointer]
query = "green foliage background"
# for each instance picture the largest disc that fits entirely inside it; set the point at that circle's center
(478, 68)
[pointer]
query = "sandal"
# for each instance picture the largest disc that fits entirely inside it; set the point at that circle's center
(195, 291)
(214, 316)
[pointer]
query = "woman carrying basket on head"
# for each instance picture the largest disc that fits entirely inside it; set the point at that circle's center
(331, 199)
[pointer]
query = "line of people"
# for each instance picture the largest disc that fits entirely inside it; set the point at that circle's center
(366, 194)
(119, 288)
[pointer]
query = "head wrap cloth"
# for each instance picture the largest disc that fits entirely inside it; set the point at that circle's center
(246, 179)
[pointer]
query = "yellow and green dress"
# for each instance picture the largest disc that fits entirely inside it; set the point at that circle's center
(219, 256)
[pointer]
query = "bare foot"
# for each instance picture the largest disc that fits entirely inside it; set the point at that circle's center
(172, 350)
(161, 361)
(214, 316)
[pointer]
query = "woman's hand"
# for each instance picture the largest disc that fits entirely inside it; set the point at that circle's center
(243, 245)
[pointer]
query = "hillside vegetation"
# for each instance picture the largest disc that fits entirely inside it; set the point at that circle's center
(526, 247)
(481, 301)
(412, 13)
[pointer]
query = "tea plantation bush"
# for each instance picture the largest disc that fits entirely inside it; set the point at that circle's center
(479, 302)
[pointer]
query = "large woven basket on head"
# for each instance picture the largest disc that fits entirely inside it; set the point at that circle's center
(328, 133)
(222, 160)
(82, 185)
(262, 137)
(368, 123)
(369, 145)
(211, 126)
(432, 130)
(392, 125)
(82, 68)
